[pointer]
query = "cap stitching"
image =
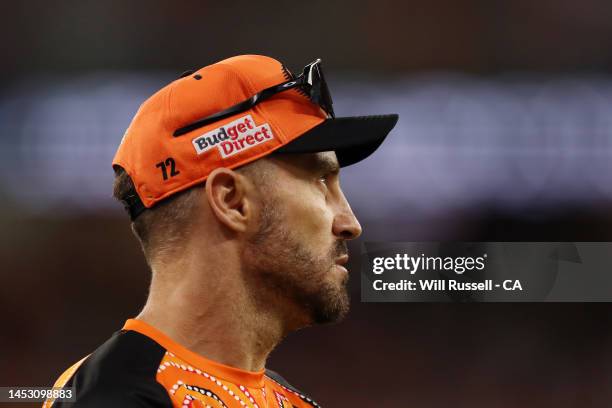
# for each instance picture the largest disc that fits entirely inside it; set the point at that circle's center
(239, 74)
(169, 112)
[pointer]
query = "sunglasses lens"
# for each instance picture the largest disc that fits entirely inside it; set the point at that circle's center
(326, 99)
(319, 92)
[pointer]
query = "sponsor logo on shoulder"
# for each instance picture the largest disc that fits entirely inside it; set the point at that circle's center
(234, 137)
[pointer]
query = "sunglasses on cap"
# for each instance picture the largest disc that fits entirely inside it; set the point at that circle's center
(311, 82)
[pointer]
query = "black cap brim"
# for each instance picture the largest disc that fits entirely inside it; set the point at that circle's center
(352, 138)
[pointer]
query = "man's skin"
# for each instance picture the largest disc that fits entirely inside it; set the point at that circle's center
(263, 258)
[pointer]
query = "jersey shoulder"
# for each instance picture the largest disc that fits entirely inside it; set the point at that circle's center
(278, 379)
(120, 373)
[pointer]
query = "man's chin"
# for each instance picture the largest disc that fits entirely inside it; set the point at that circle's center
(331, 310)
(330, 317)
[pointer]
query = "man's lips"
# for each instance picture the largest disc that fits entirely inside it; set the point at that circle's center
(342, 260)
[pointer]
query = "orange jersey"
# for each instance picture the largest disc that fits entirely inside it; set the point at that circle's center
(139, 366)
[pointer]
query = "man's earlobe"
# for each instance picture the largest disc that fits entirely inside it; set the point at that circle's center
(225, 191)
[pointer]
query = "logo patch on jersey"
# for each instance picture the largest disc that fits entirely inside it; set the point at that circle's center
(234, 137)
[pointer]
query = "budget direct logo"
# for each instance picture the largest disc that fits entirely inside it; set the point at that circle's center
(234, 137)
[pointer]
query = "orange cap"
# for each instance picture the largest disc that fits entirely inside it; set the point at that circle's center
(161, 164)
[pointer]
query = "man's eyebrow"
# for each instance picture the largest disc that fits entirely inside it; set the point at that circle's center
(325, 164)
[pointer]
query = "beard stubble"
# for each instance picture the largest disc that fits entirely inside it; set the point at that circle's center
(281, 263)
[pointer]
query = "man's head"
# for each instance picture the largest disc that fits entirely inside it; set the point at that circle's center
(288, 218)
(241, 161)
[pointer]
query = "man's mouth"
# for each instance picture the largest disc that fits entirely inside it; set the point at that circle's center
(343, 260)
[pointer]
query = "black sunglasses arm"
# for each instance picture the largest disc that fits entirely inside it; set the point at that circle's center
(240, 107)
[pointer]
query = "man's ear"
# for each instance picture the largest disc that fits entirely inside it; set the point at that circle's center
(226, 193)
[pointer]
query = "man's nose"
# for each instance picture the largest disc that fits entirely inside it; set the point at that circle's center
(346, 225)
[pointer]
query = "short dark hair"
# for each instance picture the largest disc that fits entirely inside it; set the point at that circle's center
(161, 228)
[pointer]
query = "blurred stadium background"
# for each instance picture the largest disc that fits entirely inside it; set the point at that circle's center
(505, 134)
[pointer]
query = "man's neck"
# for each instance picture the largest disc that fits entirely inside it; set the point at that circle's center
(213, 314)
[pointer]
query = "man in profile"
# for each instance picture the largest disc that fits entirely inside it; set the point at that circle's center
(231, 178)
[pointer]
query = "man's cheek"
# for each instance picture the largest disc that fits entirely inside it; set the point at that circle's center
(308, 208)
(319, 222)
